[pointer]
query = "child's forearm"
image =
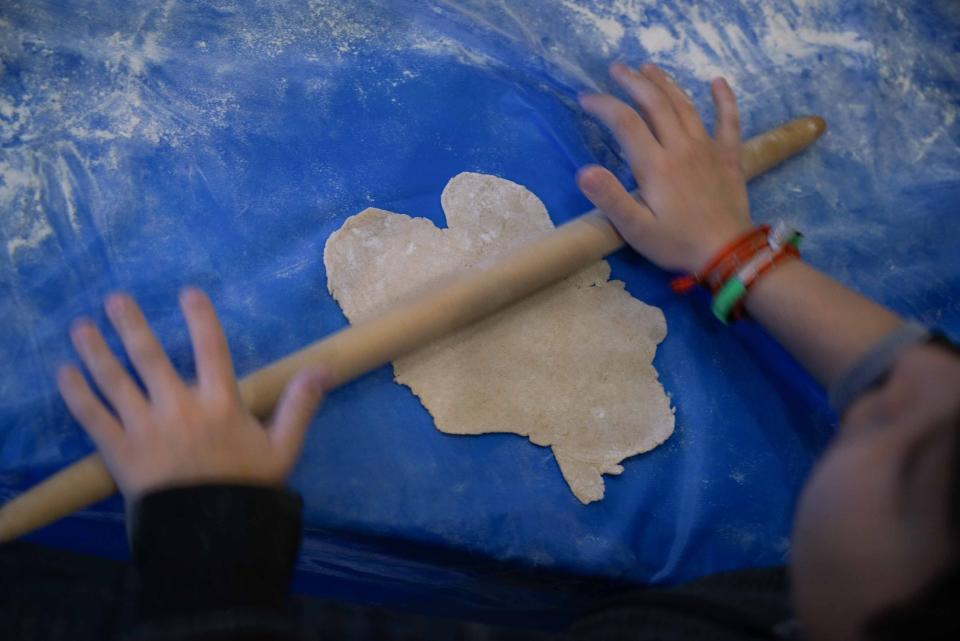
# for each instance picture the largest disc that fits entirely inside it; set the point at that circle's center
(826, 326)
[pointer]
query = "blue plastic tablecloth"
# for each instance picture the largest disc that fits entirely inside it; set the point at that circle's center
(147, 145)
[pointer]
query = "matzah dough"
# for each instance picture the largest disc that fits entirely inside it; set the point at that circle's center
(570, 368)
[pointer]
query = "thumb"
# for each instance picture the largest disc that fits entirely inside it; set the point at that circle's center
(628, 215)
(296, 409)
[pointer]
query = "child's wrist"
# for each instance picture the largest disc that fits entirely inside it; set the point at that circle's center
(711, 246)
(737, 266)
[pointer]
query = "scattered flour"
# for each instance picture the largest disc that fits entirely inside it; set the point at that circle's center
(656, 39)
(24, 224)
(607, 26)
(783, 42)
(66, 185)
(750, 43)
(32, 239)
(134, 52)
(450, 47)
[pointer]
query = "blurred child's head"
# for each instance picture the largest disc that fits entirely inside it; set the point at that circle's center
(875, 544)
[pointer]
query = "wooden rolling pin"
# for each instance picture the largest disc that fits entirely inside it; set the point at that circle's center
(452, 304)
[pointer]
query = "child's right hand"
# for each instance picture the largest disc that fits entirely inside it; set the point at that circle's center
(693, 192)
(171, 433)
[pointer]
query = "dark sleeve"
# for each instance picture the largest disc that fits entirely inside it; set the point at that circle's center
(215, 562)
(742, 605)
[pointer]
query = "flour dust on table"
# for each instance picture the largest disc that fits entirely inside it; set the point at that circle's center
(571, 367)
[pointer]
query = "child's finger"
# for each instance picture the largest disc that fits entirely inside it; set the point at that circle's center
(215, 373)
(604, 190)
(686, 111)
(728, 115)
(656, 106)
(145, 351)
(629, 129)
(295, 411)
(83, 404)
(107, 372)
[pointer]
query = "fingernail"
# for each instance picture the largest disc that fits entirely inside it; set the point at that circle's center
(591, 187)
(115, 304)
(582, 181)
(189, 295)
(80, 325)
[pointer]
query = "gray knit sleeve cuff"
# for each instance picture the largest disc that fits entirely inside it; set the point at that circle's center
(871, 369)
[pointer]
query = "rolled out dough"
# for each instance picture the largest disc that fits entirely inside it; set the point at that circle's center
(570, 368)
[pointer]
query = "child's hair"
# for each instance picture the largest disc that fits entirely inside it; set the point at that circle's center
(934, 613)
